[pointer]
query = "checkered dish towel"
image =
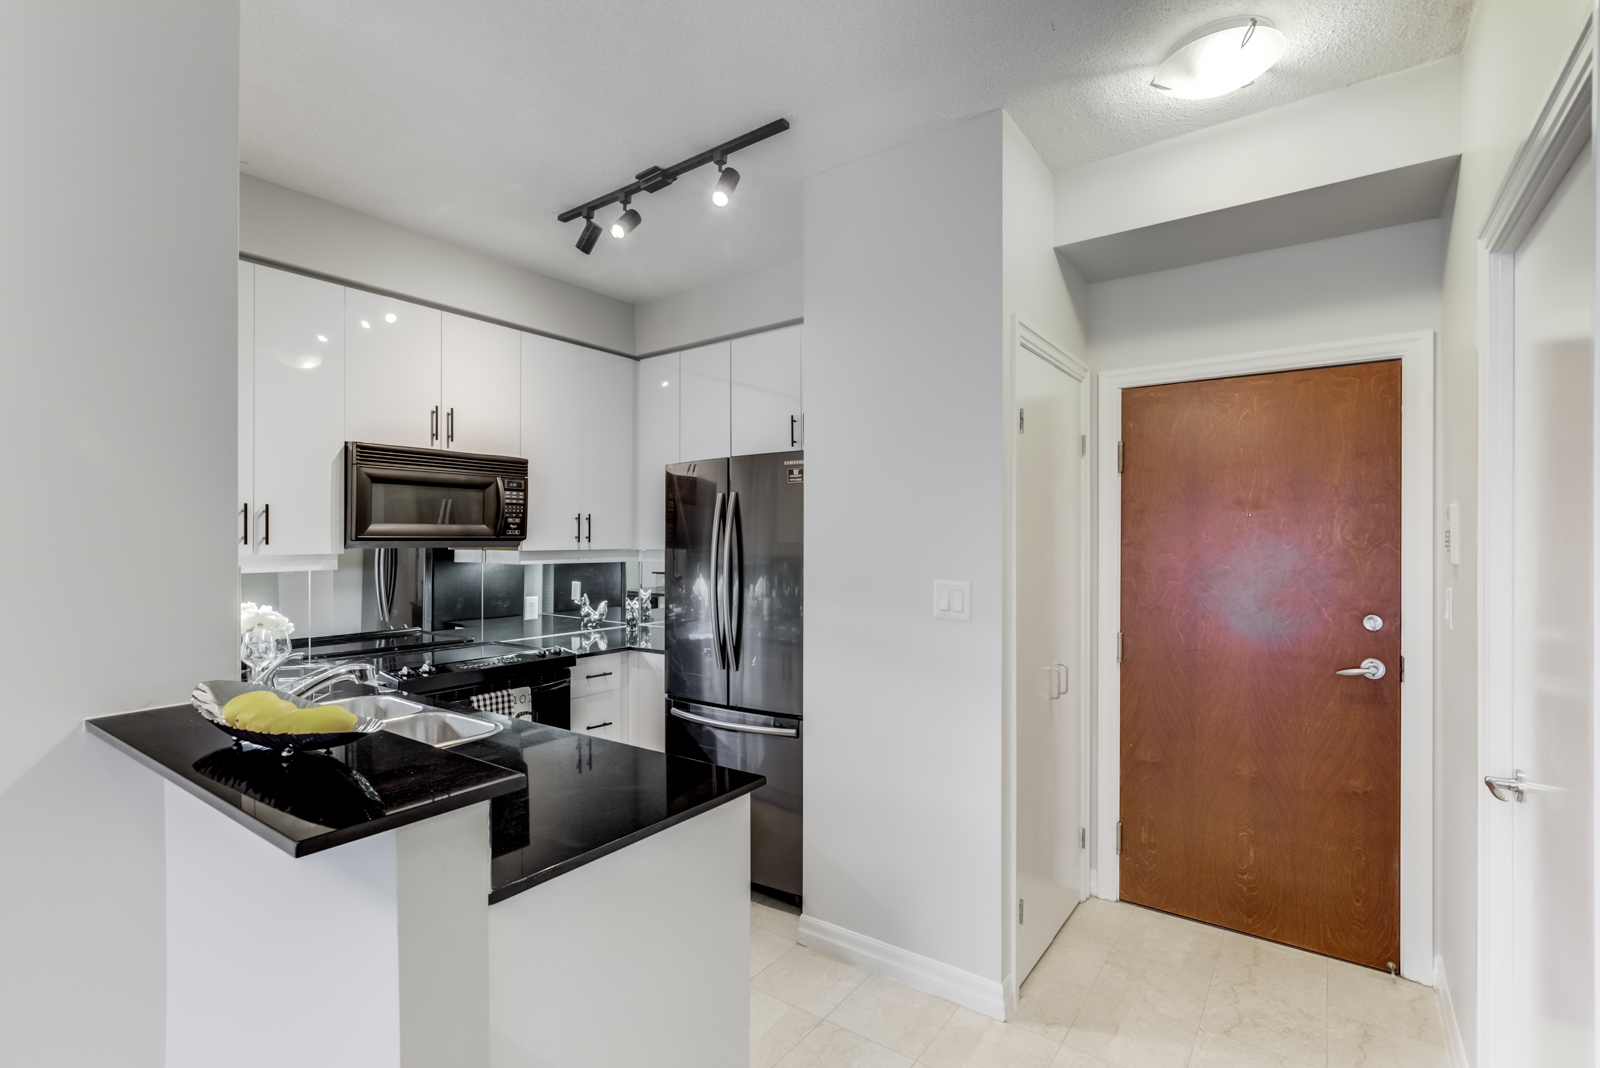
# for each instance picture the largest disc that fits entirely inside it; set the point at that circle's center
(514, 702)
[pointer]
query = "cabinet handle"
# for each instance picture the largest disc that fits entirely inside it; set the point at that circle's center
(590, 520)
(450, 427)
(602, 675)
(791, 432)
(433, 425)
(244, 514)
(266, 523)
(578, 537)
(597, 726)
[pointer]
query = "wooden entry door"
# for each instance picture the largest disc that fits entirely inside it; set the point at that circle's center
(1260, 526)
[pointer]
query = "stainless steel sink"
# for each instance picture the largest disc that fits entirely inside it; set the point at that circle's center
(380, 705)
(439, 728)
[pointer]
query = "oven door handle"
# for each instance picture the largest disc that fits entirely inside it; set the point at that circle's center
(742, 728)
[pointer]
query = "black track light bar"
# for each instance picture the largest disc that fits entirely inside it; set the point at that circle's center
(655, 179)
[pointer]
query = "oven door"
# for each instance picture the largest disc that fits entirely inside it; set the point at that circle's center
(406, 506)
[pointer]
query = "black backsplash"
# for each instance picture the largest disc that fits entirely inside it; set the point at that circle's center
(456, 590)
(602, 582)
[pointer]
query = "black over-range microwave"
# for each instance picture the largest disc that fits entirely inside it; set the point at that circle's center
(431, 498)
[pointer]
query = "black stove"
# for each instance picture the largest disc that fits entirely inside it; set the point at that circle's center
(457, 674)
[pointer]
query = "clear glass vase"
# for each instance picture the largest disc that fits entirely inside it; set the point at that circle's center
(263, 650)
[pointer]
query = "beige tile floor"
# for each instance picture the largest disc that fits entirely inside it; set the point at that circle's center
(1121, 987)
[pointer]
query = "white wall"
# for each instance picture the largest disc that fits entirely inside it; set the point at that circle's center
(298, 230)
(902, 367)
(117, 307)
(1364, 285)
(1515, 49)
(1372, 126)
(739, 305)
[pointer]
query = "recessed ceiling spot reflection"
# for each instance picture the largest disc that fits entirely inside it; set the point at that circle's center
(390, 317)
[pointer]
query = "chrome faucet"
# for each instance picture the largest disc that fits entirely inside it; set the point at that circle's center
(358, 671)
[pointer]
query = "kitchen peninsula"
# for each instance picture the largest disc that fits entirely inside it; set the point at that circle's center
(533, 898)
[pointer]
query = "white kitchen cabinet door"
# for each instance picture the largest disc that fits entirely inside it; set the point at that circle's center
(552, 414)
(392, 351)
(766, 392)
(601, 715)
(482, 392)
(704, 405)
(607, 451)
(657, 389)
(247, 403)
(299, 415)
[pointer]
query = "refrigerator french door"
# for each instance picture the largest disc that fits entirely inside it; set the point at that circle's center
(735, 564)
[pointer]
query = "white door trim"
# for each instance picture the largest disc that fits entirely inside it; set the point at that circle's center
(1026, 338)
(1563, 128)
(1416, 355)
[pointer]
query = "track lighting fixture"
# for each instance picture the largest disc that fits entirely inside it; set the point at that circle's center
(591, 234)
(727, 182)
(625, 222)
(655, 179)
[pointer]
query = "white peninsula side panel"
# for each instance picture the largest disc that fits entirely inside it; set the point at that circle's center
(638, 958)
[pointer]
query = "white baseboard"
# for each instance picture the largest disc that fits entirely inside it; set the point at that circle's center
(1447, 1013)
(913, 969)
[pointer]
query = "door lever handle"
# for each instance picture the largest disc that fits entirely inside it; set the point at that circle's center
(1371, 667)
(1517, 787)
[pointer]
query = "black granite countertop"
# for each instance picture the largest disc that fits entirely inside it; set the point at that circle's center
(312, 801)
(557, 800)
(566, 633)
(587, 797)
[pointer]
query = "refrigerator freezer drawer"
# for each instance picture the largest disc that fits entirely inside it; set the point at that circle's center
(766, 745)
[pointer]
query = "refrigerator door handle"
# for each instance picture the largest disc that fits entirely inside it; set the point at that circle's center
(742, 728)
(718, 624)
(735, 580)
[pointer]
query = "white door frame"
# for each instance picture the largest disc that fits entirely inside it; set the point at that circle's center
(1025, 338)
(1415, 353)
(1563, 128)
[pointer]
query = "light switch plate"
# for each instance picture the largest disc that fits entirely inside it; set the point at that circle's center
(577, 590)
(952, 600)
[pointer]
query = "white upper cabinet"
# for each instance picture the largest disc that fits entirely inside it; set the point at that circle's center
(657, 389)
(392, 371)
(247, 403)
(766, 392)
(481, 395)
(607, 452)
(299, 377)
(705, 402)
(552, 412)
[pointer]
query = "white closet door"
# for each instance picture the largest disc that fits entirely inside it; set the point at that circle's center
(766, 392)
(707, 375)
(299, 415)
(657, 391)
(482, 387)
(607, 451)
(392, 371)
(247, 404)
(552, 407)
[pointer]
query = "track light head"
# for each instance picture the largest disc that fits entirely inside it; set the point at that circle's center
(591, 234)
(727, 182)
(625, 222)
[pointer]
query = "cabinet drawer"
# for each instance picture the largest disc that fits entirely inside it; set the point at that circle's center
(599, 716)
(597, 674)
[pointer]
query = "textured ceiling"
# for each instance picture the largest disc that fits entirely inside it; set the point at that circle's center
(478, 122)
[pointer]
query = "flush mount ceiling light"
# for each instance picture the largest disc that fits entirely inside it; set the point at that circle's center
(655, 179)
(1220, 58)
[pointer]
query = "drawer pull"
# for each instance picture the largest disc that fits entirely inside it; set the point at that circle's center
(602, 675)
(597, 726)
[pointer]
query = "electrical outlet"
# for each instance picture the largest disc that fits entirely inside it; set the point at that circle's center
(577, 590)
(530, 607)
(952, 600)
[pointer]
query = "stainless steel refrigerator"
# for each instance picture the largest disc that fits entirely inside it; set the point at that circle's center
(735, 564)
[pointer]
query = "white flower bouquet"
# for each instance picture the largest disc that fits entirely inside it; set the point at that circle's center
(252, 615)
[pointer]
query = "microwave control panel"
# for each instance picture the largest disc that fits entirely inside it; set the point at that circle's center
(513, 507)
